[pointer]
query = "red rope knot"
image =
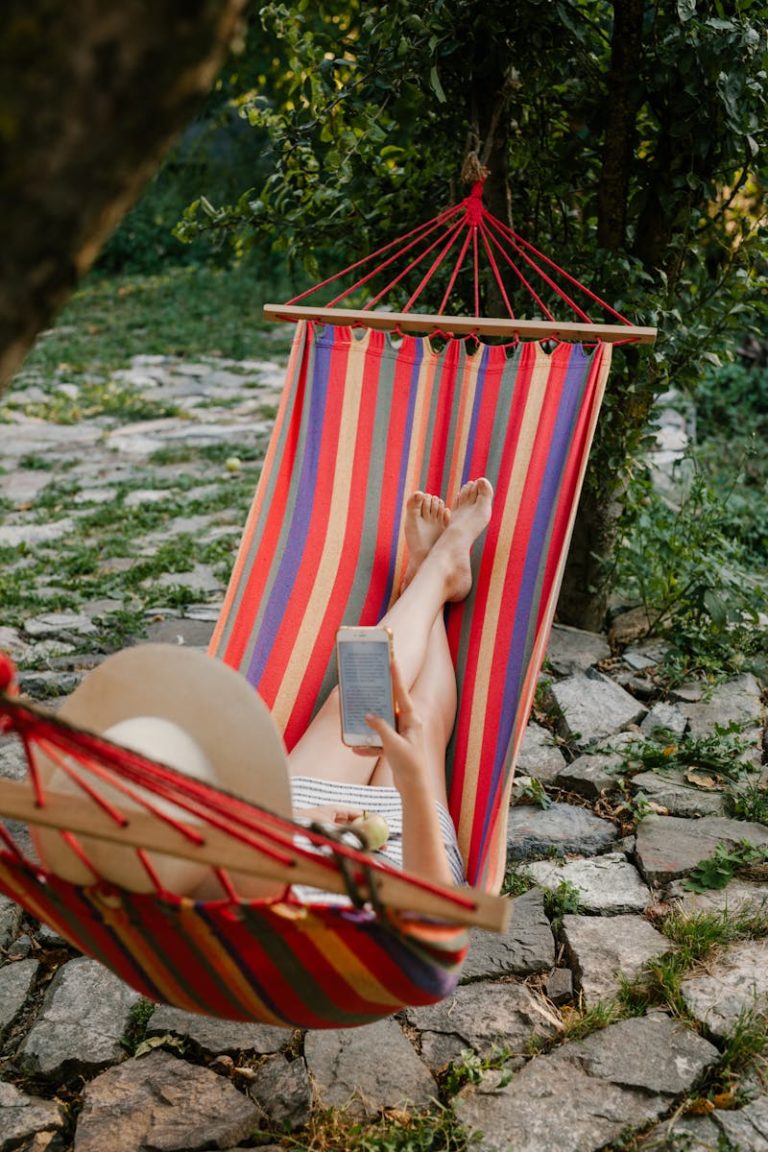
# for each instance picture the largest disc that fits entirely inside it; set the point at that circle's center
(474, 204)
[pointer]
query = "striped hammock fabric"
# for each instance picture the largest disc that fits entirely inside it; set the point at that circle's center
(365, 421)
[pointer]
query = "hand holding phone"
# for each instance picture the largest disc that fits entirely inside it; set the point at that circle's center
(364, 657)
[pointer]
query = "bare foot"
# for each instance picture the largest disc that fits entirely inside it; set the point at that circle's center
(426, 518)
(469, 517)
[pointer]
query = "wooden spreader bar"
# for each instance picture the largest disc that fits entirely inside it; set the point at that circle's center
(500, 326)
(143, 830)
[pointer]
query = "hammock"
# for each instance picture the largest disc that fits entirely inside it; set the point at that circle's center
(365, 419)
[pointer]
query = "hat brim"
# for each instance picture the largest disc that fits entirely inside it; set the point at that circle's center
(215, 705)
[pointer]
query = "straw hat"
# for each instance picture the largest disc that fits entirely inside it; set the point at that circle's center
(190, 712)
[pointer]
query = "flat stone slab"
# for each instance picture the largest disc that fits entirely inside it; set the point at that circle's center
(483, 1018)
(592, 774)
(746, 1128)
(15, 983)
(603, 951)
(734, 983)
(536, 832)
(160, 1102)
(84, 1016)
(737, 701)
(668, 847)
(365, 1070)
(593, 707)
(60, 624)
(572, 650)
(607, 884)
(587, 1094)
(22, 1116)
(527, 947)
(283, 1091)
(739, 896)
(217, 1037)
(539, 756)
(664, 716)
(10, 911)
(678, 797)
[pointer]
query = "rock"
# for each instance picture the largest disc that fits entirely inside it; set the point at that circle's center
(668, 846)
(592, 707)
(283, 1092)
(201, 580)
(15, 983)
(527, 946)
(559, 986)
(192, 633)
(607, 884)
(579, 1101)
(539, 756)
(367, 1069)
(217, 1036)
(140, 497)
(571, 650)
(23, 486)
(679, 797)
(603, 951)
(22, 1116)
(735, 702)
(10, 919)
(651, 1052)
(481, 1017)
(746, 1128)
(31, 535)
(60, 624)
(536, 832)
(664, 716)
(682, 1134)
(735, 982)
(737, 896)
(84, 1016)
(592, 774)
(162, 1103)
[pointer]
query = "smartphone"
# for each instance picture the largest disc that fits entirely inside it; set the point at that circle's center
(364, 660)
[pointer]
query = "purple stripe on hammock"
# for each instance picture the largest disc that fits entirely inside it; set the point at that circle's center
(291, 560)
(576, 377)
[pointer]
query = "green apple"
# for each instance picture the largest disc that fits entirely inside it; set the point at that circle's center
(373, 828)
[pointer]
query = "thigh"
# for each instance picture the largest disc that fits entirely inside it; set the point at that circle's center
(321, 753)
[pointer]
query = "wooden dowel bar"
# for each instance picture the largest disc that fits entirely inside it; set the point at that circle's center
(81, 816)
(502, 327)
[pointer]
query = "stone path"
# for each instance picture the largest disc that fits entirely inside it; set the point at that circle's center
(542, 1047)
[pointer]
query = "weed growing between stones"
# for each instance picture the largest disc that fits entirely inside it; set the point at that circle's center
(720, 754)
(138, 1021)
(561, 901)
(396, 1131)
(720, 868)
(470, 1067)
(534, 792)
(516, 881)
(749, 803)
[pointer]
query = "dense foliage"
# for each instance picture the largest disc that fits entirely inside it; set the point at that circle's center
(626, 139)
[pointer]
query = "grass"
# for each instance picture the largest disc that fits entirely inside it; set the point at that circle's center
(397, 1131)
(187, 311)
(122, 549)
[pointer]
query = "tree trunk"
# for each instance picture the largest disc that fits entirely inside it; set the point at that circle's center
(584, 594)
(92, 93)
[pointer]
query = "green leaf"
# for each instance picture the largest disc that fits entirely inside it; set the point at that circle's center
(436, 86)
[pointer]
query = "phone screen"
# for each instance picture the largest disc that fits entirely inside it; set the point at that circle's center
(365, 681)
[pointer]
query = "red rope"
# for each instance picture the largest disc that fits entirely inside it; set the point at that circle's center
(257, 828)
(498, 239)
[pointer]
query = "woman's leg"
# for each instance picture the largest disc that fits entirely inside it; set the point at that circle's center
(442, 575)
